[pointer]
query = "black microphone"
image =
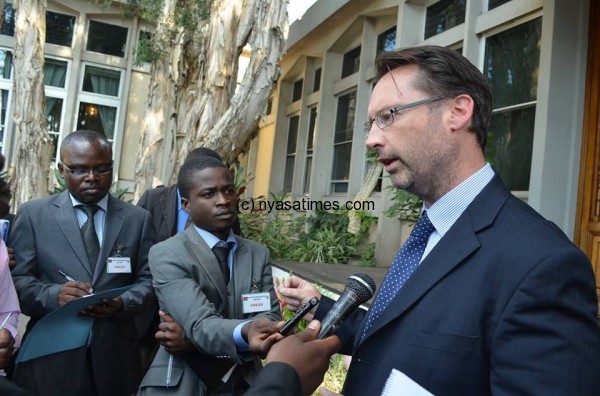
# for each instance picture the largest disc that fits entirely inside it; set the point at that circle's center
(360, 287)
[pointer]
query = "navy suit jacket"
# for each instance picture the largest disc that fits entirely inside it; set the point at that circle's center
(503, 304)
(161, 202)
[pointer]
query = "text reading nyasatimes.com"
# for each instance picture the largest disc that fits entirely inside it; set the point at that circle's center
(248, 205)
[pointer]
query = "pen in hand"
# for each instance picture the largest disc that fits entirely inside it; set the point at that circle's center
(67, 277)
(169, 369)
(5, 320)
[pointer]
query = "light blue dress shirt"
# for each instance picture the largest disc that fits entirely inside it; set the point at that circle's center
(446, 210)
(182, 215)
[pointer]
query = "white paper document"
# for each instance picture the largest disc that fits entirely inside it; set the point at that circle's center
(399, 383)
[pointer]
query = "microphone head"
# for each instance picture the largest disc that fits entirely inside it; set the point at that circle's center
(362, 285)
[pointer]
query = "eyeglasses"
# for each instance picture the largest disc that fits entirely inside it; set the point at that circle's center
(99, 170)
(386, 117)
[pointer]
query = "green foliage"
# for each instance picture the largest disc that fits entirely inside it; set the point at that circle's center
(406, 206)
(187, 15)
(327, 246)
(240, 178)
(149, 49)
(115, 190)
(326, 241)
(193, 12)
(368, 257)
(279, 233)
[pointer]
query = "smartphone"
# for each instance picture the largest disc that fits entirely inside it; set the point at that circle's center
(304, 309)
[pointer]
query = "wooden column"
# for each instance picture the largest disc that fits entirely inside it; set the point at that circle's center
(587, 227)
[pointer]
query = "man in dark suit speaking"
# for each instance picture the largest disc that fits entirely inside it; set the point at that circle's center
(486, 296)
(74, 243)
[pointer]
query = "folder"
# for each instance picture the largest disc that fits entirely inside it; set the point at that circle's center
(63, 329)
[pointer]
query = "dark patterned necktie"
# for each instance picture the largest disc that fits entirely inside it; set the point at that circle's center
(404, 264)
(88, 232)
(221, 251)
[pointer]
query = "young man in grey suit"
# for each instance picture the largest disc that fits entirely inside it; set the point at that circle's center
(168, 219)
(497, 300)
(227, 307)
(75, 243)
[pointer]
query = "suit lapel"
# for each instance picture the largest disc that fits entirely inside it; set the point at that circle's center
(453, 249)
(207, 261)
(242, 273)
(112, 228)
(66, 219)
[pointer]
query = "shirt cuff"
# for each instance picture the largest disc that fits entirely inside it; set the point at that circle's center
(240, 344)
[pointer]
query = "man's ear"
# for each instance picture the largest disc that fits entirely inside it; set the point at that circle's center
(461, 112)
(185, 203)
(60, 167)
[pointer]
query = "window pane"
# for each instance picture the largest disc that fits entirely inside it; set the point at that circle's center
(310, 144)
(53, 113)
(307, 174)
(3, 110)
(341, 161)
(317, 81)
(53, 117)
(344, 123)
(341, 187)
(59, 28)
(55, 72)
(289, 173)
(269, 106)
(5, 63)
(511, 63)
(351, 62)
(510, 145)
(98, 118)
(297, 91)
(495, 3)
(443, 16)
(8, 27)
(386, 41)
(292, 135)
(106, 39)
(101, 81)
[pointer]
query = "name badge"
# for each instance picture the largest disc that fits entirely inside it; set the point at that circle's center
(256, 302)
(118, 265)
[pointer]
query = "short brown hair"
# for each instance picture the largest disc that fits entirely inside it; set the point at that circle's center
(444, 72)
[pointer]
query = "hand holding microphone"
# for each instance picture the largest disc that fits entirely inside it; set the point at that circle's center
(360, 287)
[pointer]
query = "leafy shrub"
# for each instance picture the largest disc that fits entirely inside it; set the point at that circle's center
(326, 241)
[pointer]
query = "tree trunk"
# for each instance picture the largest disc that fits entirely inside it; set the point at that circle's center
(33, 144)
(161, 100)
(208, 110)
(363, 194)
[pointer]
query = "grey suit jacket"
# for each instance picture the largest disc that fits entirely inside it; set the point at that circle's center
(190, 286)
(46, 239)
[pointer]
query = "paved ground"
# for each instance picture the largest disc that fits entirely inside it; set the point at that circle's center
(332, 276)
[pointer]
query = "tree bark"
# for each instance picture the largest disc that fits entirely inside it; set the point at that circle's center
(363, 194)
(161, 100)
(33, 144)
(208, 109)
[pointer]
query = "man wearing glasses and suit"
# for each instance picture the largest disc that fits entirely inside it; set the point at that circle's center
(65, 247)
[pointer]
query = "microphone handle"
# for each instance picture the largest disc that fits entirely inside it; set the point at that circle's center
(343, 307)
